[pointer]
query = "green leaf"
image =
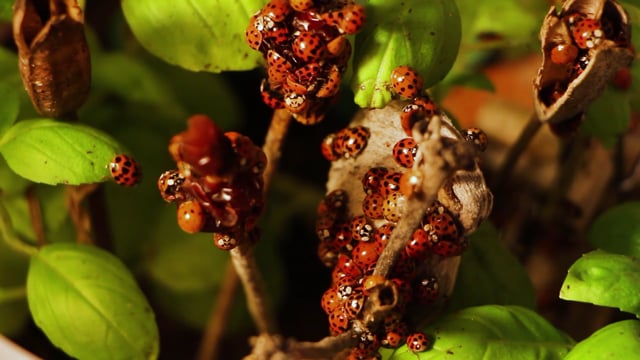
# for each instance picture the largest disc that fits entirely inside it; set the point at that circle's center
(490, 332)
(604, 279)
(422, 34)
(88, 304)
(14, 313)
(489, 274)
(617, 341)
(608, 116)
(9, 106)
(10, 182)
(199, 35)
(618, 230)
(54, 152)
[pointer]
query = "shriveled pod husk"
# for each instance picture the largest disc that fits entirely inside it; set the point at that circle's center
(464, 194)
(562, 91)
(53, 54)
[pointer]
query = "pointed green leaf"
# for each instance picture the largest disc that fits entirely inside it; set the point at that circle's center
(422, 34)
(489, 274)
(617, 341)
(54, 152)
(88, 304)
(618, 230)
(490, 332)
(604, 279)
(199, 35)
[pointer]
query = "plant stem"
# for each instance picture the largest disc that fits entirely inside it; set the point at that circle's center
(78, 212)
(99, 219)
(11, 238)
(514, 153)
(12, 294)
(219, 315)
(244, 262)
(35, 213)
(273, 143)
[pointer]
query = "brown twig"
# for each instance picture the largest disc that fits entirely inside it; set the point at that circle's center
(273, 143)
(100, 219)
(78, 212)
(35, 213)
(219, 315)
(244, 262)
(274, 347)
(217, 321)
(513, 155)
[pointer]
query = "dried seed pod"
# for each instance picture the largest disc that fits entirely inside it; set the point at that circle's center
(564, 89)
(53, 54)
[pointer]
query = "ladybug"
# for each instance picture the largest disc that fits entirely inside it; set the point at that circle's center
(327, 254)
(191, 218)
(405, 293)
(357, 354)
(563, 54)
(394, 334)
(326, 148)
(580, 66)
(390, 183)
(278, 67)
(404, 268)
(308, 72)
(125, 170)
(449, 248)
(341, 238)
(348, 20)
(477, 137)
(418, 342)
(271, 98)
(330, 301)
(338, 321)
(336, 46)
(346, 286)
(276, 35)
(337, 200)
(252, 35)
(587, 33)
(418, 246)
(354, 140)
(368, 342)
(301, 5)
(361, 230)
(324, 225)
(372, 206)
(393, 206)
(426, 291)
(383, 233)
(372, 179)
(345, 267)
(372, 281)
(170, 185)
(404, 152)
(225, 241)
(442, 226)
(353, 304)
(308, 46)
(293, 85)
(295, 103)
(331, 85)
(406, 82)
(277, 9)
(365, 254)
(410, 183)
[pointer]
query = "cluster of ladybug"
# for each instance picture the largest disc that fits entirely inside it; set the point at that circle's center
(586, 34)
(218, 185)
(351, 245)
(305, 46)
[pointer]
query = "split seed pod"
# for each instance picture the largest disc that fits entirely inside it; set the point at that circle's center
(53, 54)
(599, 31)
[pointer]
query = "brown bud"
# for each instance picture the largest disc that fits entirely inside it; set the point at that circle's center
(567, 84)
(53, 54)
